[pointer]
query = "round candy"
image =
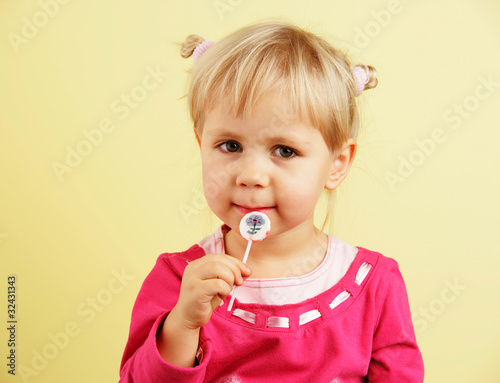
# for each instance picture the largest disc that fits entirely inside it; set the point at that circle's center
(255, 226)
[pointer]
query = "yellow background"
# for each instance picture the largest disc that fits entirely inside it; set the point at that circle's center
(137, 193)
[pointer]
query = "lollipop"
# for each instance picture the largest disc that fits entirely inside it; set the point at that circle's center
(254, 227)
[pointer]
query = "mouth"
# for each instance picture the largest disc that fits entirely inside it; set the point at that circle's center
(249, 209)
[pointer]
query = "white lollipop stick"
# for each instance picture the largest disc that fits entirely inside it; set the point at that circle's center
(254, 226)
(247, 251)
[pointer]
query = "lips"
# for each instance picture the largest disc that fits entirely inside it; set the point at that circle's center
(249, 209)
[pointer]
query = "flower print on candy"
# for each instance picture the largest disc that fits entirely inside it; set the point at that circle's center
(253, 221)
(255, 226)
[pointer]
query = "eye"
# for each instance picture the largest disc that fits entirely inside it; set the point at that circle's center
(230, 147)
(285, 152)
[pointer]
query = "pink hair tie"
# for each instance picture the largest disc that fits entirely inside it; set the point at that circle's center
(201, 48)
(360, 78)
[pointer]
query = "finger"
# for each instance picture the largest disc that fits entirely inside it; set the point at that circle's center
(239, 269)
(243, 268)
(223, 271)
(212, 288)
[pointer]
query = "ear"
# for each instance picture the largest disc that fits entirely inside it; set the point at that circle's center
(341, 165)
(197, 137)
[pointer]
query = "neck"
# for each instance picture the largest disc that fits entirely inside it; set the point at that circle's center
(293, 253)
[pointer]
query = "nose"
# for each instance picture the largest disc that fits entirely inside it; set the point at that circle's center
(253, 172)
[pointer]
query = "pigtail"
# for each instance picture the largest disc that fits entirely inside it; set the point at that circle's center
(371, 73)
(365, 77)
(188, 47)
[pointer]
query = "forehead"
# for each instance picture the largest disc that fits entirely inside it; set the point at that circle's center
(272, 118)
(273, 107)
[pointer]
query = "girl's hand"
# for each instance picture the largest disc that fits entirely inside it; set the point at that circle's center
(205, 284)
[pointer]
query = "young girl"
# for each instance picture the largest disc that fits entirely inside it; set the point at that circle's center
(275, 117)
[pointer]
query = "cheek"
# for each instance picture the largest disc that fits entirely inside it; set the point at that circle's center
(219, 170)
(211, 186)
(302, 192)
(217, 178)
(309, 180)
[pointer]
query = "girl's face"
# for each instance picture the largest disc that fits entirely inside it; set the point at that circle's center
(271, 162)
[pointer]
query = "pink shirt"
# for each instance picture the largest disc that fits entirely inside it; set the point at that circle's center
(360, 327)
(280, 291)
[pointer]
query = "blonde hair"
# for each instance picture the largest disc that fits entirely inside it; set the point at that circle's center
(312, 75)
